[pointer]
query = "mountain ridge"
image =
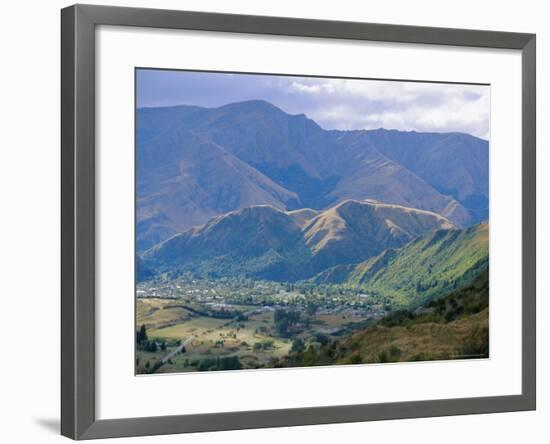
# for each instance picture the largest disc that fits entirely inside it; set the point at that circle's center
(194, 163)
(269, 243)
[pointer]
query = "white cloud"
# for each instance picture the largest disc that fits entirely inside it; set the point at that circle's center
(303, 88)
(369, 104)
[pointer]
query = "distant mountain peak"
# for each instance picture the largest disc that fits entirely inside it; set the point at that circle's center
(263, 106)
(194, 163)
(252, 105)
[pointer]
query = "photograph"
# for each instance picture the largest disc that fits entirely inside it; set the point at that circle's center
(295, 221)
(275, 222)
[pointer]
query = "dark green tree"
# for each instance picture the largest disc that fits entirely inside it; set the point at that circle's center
(142, 334)
(298, 345)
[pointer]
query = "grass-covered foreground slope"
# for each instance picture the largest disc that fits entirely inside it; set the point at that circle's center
(424, 269)
(453, 327)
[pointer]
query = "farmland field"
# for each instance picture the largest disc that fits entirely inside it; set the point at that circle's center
(194, 323)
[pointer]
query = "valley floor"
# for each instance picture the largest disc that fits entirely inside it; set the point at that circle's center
(188, 325)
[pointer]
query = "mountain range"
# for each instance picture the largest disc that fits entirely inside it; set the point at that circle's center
(391, 248)
(198, 166)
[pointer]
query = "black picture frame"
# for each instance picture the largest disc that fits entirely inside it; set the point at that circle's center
(78, 23)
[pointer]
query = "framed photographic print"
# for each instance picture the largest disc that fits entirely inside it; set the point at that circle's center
(275, 221)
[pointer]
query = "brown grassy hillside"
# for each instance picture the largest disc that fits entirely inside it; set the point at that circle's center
(454, 327)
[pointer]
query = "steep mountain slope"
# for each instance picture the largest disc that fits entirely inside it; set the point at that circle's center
(353, 230)
(194, 163)
(259, 133)
(368, 173)
(425, 268)
(455, 164)
(260, 241)
(265, 242)
(185, 179)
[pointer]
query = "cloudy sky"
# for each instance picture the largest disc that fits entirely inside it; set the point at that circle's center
(333, 103)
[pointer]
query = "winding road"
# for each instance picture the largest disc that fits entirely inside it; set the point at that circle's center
(177, 350)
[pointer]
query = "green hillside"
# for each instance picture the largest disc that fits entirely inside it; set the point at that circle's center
(260, 242)
(424, 269)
